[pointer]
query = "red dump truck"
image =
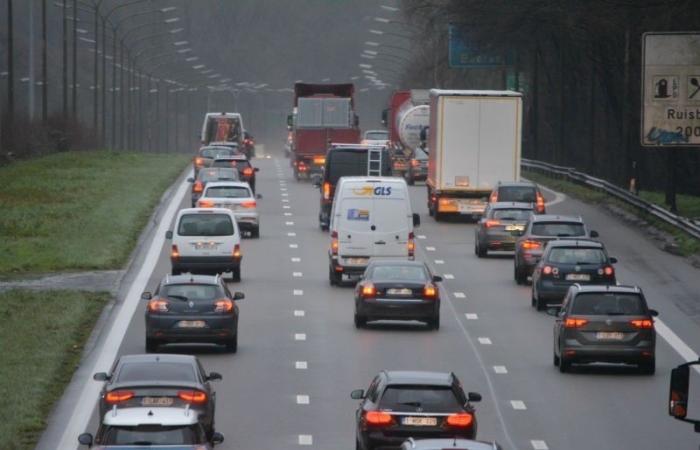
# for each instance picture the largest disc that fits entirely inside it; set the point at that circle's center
(323, 113)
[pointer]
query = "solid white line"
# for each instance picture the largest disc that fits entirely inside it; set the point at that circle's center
(439, 261)
(558, 196)
(674, 341)
(539, 445)
(471, 316)
(484, 341)
(299, 313)
(459, 294)
(306, 439)
(298, 292)
(301, 365)
(518, 405)
(297, 274)
(303, 400)
(300, 336)
(448, 276)
(430, 249)
(91, 390)
(500, 369)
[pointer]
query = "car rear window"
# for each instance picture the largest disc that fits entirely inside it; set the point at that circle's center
(558, 229)
(216, 152)
(237, 163)
(219, 174)
(153, 435)
(377, 135)
(579, 256)
(158, 371)
(608, 303)
(346, 163)
(228, 192)
(205, 225)
(413, 398)
(192, 291)
(525, 194)
(399, 272)
(511, 214)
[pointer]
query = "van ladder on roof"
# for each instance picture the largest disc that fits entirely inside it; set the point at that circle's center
(374, 161)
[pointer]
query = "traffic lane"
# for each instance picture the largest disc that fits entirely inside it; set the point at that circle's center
(521, 338)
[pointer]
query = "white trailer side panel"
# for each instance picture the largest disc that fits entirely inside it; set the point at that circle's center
(459, 129)
(499, 141)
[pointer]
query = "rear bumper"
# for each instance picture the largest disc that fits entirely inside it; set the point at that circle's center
(205, 264)
(247, 221)
(381, 440)
(404, 309)
(608, 353)
(498, 242)
(217, 328)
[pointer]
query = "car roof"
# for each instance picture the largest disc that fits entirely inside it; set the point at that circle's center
(555, 218)
(335, 146)
(190, 278)
(585, 243)
(516, 184)
(205, 211)
(511, 205)
(228, 183)
(457, 444)
(157, 357)
(418, 377)
(395, 262)
(617, 288)
(130, 417)
(366, 179)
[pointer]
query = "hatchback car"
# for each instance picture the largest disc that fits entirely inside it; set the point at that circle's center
(605, 324)
(417, 167)
(239, 198)
(403, 404)
(567, 262)
(205, 176)
(495, 229)
(192, 308)
(448, 444)
(398, 290)
(246, 171)
(521, 192)
(207, 154)
(539, 230)
(157, 381)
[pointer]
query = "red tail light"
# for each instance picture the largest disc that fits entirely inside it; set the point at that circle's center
(302, 167)
(609, 271)
(223, 306)
(369, 291)
(540, 203)
(158, 305)
(334, 243)
(430, 291)
(415, 163)
(645, 324)
(411, 244)
(237, 251)
(494, 197)
(203, 203)
(193, 396)
(530, 245)
(460, 420)
(249, 204)
(199, 161)
(198, 186)
(174, 252)
(492, 223)
(549, 270)
(573, 322)
(248, 171)
(327, 190)
(378, 418)
(118, 396)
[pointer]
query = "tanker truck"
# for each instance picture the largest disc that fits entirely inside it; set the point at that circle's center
(408, 114)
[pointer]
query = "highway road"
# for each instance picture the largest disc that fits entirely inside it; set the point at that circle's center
(300, 354)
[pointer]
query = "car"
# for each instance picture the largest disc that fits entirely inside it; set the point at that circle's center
(204, 176)
(417, 167)
(192, 308)
(539, 230)
(565, 262)
(604, 323)
(376, 137)
(521, 192)
(246, 171)
(402, 404)
(153, 428)
(208, 153)
(451, 444)
(159, 381)
(239, 198)
(248, 145)
(494, 231)
(207, 241)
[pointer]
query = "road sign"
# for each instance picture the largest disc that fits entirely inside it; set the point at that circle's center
(671, 89)
(464, 54)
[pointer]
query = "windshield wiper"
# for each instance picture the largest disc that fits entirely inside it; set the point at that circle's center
(178, 297)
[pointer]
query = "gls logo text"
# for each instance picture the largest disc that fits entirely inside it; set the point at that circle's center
(382, 190)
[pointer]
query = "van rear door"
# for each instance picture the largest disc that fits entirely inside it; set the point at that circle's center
(355, 235)
(390, 220)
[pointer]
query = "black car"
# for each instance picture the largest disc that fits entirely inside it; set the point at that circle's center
(521, 192)
(539, 230)
(159, 380)
(495, 229)
(204, 176)
(605, 324)
(246, 171)
(192, 308)
(402, 404)
(417, 167)
(451, 444)
(566, 262)
(397, 290)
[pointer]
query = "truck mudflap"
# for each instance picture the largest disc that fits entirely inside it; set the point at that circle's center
(467, 204)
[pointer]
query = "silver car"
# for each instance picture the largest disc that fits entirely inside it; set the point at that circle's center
(498, 228)
(238, 197)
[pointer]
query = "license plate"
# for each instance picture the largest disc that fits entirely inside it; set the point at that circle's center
(204, 245)
(609, 336)
(191, 324)
(356, 261)
(515, 227)
(420, 421)
(156, 401)
(578, 277)
(399, 291)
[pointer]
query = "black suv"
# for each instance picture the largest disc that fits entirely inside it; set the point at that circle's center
(399, 405)
(519, 191)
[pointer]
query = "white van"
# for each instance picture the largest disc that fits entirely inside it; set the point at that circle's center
(371, 218)
(206, 240)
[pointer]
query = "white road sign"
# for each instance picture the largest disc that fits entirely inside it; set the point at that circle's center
(671, 89)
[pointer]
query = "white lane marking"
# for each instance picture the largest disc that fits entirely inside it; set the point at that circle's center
(298, 292)
(306, 439)
(459, 295)
(485, 341)
(300, 336)
(421, 236)
(283, 189)
(293, 245)
(291, 234)
(296, 259)
(289, 224)
(448, 276)
(287, 207)
(471, 316)
(500, 369)
(90, 392)
(558, 196)
(539, 445)
(674, 341)
(430, 249)
(301, 365)
(299, 313)
(439, 261)
(287, 214)
(285, 200)
(303, 400)
(518, 405)
(284, 194)
(297, 274)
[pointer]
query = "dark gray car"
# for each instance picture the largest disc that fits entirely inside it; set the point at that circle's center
(495, 230)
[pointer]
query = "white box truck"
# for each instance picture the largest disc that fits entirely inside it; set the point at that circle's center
(473, 143)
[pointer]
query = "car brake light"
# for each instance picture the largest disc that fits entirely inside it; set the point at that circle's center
(236, 251)
(415, 163)
(174, 252)
(540, 203)
(530, 245)
(549, 270)
(223, 306)
(205, 203)
(609, 271)
(327, 190)
(411, 244)
(319, 160)
(158, 305)
(193, 396)
(492, 223)
(460, 420)
(248, 171)
(249, 204)
(430, 291)
(118, 396)
(447, 205)
(199, 161)
(378, 418)
(642, 323)
(198, 186)
(573, 322)
(369, 291)
(334, 243)
(494, 197)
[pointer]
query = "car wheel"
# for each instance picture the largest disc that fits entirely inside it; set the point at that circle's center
(434, 323)
(480, 252)
(540, 304)
(232, 344)
(564, 365)
(648, 368)
(409, 179)
(333, 277)
(439, 217)
(555, 359)
(360, 321)
(519, 276)
(533, 301)
(152, 345)
(255, 233)
(357, 444)
(236, 274)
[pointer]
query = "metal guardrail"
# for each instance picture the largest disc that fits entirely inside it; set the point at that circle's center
(571, 174)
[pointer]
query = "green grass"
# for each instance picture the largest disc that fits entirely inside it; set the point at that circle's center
(77, 211)
(688, 205)
(41, 341)
(687, 245)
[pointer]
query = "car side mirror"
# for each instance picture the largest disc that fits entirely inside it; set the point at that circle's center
(613, 260)
(416, 220)
(146, 296)
(190, 180)
(217, 438)
(594, 234)
(357, 394)
(474, 397)
(101, 376)
(214, 376)
(238, 296)
(85, 439)
(259, 196)
(653, 313)
(169, 234)
(437, 278)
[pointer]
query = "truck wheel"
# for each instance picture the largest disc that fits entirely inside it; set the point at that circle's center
(152, 345)
(255, 232)
(480, 252)
(333, 278)
(236, 274)
(232, 344)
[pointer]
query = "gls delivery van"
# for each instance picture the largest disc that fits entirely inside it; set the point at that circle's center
(371, 218)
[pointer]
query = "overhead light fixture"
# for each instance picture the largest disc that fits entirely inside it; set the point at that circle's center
(381, 20)
(176, 30)
(372, 44)
(179, 43)
(199, 66)
(168, 9)
(172, 20)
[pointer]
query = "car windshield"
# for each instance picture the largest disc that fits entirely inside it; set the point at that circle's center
(377, 135)
(192, 291)
(562, 255)
(152, 435)
(346, 163)
(160, 371)
(559, 229)
(511, 214)
(526, 194)
(399, 272)
(216, 152)
(228, 192)
(425, 398)
(218, 174)
(608, 303)
(205, 225)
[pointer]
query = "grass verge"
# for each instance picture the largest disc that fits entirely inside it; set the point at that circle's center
(687, 245)
(78, 211)
(41, 342)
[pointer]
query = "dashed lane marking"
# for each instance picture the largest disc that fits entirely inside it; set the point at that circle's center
(303, 400)
(293, 245)
(285, 200)
(298, 292)
(500, 370)
(518, 405)
(287, 207)
(448, 276)
(299, 313)
(296, 259)
(297, 274)
(301, 365)
(289, 224)
(459, 295)
(300, 336)
(471, 316)
(291, 234)
(421, 236)
(306, 439)
(430, 249)
(439, 261)
(484, 341)
(539, 445)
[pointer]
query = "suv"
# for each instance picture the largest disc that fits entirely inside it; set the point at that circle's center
(246, 171)
(239, 198)
(494, 231)
(567, 262)
(605, 324)
(539, 230)
(519, 191)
